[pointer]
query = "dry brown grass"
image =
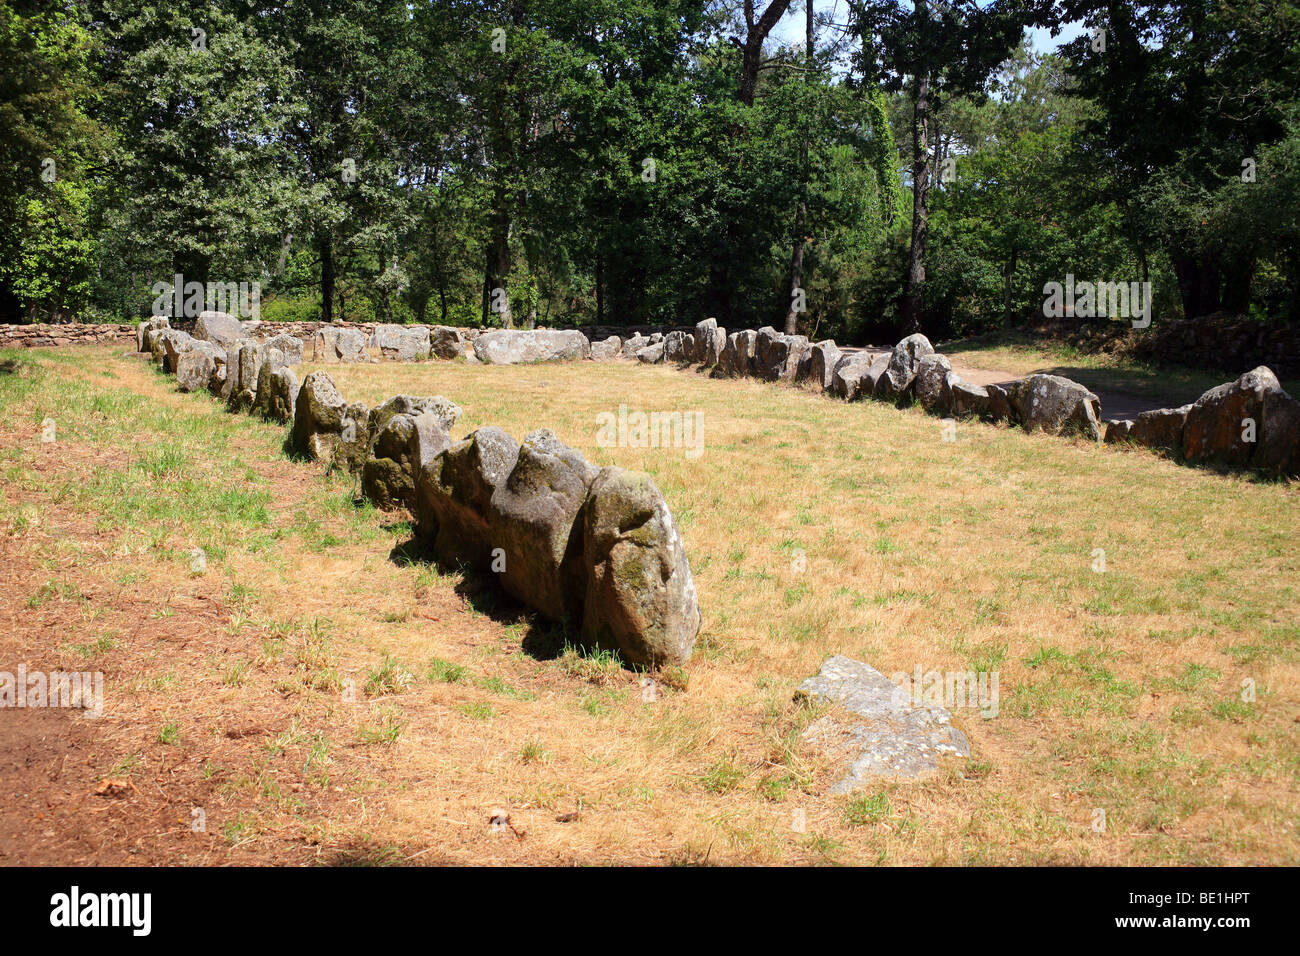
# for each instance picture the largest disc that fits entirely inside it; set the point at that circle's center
(968, 555)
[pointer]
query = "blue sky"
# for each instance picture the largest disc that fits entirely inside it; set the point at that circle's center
(790, 29)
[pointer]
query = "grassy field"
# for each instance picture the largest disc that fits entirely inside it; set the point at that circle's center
(322, 696)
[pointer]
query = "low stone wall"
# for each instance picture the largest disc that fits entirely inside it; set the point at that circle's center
(41, 335)
(593, 549)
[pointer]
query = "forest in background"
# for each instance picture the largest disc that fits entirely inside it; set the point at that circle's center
(908, 166)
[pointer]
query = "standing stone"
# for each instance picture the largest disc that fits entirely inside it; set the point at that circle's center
(1279, 435)
(318, 417)
(446, 342)
(675, 348)
(532, 517)
(398, 448)
(332, 344)
(1216, 429)
(1056, 405)
(220, 328)
(932, 373)
(446, 411)
(640, 596)
(402, 343)
(277, 392)
(634, 344)
(200, 366)
(825, 355)
(1160, 428)
(243, 391)
(453, 496)
(1000, 409)
(606, 350)
(856, 374)
(154, 323)
(900, 374)
(737, 359)
(1117, 430)
(290, 346)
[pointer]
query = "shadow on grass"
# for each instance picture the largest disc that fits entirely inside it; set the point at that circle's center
(542, 640)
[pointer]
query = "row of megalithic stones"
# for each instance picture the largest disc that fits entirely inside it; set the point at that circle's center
(594, 550)
(1248, 423)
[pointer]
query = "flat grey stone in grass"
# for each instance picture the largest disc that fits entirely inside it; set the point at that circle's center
(525, 346)
(606, 350)
(290, 346)
(651, 354)
(882, 732)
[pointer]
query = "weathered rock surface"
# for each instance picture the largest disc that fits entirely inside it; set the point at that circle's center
(220, 328)
(709, 343)
(1000, 409)
(318, 417)
(398, 448)
(640, 597)
(522, 346)
(778, 356)
(246, 368)
(676, 349)
(154, 323)
(446, 342)
(1279, 436)
(823, 358)
(332, 345)
(1216, 429)
(532, 517)
(634, 344)
(606, 350)
(453, 496)
(651, 354)
(168, 345)
(881, 732)
(290, 346)
(201, 366)
(1159, 428)
(737, 359)
(856, 374)
(446, 411)
(277, 392)
(964, 398)
(900, 373)
(1055, 405)
(402, 343)
(930, 383)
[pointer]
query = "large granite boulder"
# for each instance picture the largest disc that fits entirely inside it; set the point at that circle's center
(778, 356)
(895, 385)
(607, 349)
(452, 501)
(333, 344)
(633, 344)
(399, 447)
(1218, 425)
(1056, 405)
(640, 597)
(675, 348)
(167, 347)
(737, 359)
(1000, 409)
(200, 366)
(1279, 438)
(1117, 430)
(1159, 428)
(318, 419)
(289, 346)
(220, 328)
(532, 519)
(709, 343)
(856, 374)
(964, 398)
(524, 346)
(446, 411)
(823, 357)
(155, 323)
(277, 391)
(446, 342)
(931, 383)
(402, 343)
(651, 354)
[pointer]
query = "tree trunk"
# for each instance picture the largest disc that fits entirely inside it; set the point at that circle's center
(920, 207)
(325, 245)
